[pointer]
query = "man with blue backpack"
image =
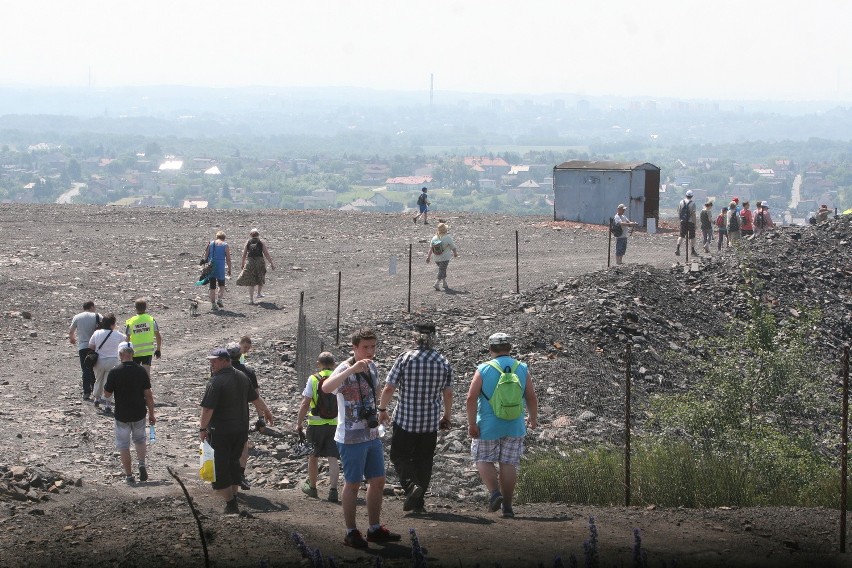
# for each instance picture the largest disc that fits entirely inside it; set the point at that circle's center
(686, 216)
(498, 393)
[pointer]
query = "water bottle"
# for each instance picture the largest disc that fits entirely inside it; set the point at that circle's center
(381, 430)
(152, 435)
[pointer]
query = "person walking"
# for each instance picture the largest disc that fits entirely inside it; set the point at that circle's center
(143, 332)
(253, 265)
(496, 440)
(706, 220)
(357, 435)
(442, 248)
(686, 215)
(105, 342)
(424, 381)
(321, 413)
(235, 352)
(722, 226)
(130, 384)
(734, 224)
(83, 325)
(423, 206)
(224, 422)
(219, 253)
(620, 224)
(746, 220)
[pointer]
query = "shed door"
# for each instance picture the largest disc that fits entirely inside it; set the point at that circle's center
(652, 195)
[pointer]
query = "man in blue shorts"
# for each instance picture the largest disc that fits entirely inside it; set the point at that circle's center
(494, 439)
(423, 206)
(358, 443)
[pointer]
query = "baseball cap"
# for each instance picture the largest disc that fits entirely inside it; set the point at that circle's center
(500, 339)
(234, 350)
(621, 206)
(219, 353)
(125, 346)
(689, 193)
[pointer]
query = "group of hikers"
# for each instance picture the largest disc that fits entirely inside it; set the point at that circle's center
(344, 410)
(733, 223)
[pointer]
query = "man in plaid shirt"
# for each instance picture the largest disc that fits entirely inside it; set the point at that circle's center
(424, 378)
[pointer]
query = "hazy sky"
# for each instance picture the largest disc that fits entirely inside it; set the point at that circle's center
(724, 49)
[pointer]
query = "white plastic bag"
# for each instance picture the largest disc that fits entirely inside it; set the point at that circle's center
(207, 470)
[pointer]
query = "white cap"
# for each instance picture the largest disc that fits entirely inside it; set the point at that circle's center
(689, 193)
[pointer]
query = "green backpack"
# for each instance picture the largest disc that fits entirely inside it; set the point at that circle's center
(507, 400)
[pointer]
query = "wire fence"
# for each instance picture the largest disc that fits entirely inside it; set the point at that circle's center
(596, 448)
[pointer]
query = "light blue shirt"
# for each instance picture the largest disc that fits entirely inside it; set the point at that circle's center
(491, 427)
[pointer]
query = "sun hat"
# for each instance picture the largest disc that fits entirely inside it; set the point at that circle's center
(621, 206)
(254, 232)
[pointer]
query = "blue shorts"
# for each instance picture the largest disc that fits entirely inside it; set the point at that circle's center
(423, 208)
(365, 460)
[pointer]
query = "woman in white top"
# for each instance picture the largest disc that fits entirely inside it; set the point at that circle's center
(442, 248)
(105, 343)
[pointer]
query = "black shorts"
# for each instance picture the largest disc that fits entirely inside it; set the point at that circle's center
(143, 360)
(226, 457)
(215, 282)
(687, 229)
(322, 437)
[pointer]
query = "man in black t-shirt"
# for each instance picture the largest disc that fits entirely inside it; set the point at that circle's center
(224, 422)
(131, 386)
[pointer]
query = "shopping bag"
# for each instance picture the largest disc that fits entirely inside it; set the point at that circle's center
(207, 470)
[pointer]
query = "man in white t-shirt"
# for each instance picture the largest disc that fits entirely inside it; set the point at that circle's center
(83, 325)
(621, 224)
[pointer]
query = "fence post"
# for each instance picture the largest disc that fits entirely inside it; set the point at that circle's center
(844, 447)
(627, 376)
(609, 243)
(339, 290)
(409, 278)
(517, 266)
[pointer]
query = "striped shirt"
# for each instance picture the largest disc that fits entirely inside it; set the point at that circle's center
(420, 377)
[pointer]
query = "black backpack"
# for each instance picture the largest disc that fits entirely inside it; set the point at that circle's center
(325, 404)
(616, 229)
(422, 199)
(759, 220)
(255, 248)
(734, 222)
(684, 211)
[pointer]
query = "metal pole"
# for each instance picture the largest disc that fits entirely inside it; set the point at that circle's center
(409, 277)
(517, 265)
(609, 243)
(844, 448)
(627, 377)
(339, 290)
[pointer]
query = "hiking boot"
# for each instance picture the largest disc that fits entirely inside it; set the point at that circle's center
(213, 306)
(231, 507)
(220, 303)
(308, 490)
(143, 473)
(495, 502)
(677, 252)
(508, 513)
(244, 484)
(129, 480)
(108, 410)
(415, 220)
(355, 540)
(425, 222)
(413, 498)
(97, 403)
(87, 395)
(332, 495)
(382, 534)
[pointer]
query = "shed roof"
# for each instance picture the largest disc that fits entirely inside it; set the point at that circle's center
(603, 165)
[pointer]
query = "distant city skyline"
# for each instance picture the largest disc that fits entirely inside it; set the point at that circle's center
(760, 50)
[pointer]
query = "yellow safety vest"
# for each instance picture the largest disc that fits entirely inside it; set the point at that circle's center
(141, 328)
(314, 379)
